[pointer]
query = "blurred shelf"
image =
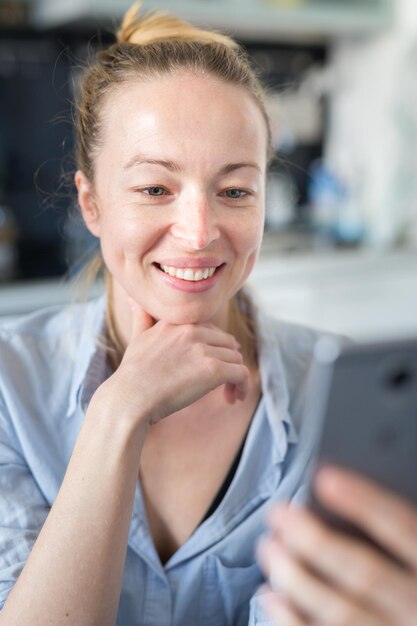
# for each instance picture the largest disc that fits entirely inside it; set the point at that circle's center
(365, 294)
(24, 297)
(248, 20)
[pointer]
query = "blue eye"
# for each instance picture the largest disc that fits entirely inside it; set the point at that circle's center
(235, 194)
(154, 191)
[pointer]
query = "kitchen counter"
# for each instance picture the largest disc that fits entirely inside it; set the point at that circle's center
(364, 294)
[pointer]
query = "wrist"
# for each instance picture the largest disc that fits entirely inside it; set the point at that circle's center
(108, 410)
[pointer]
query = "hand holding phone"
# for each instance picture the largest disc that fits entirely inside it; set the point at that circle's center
(362, 408)
(365, 417)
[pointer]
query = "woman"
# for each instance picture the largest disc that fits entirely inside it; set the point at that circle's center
(143, 435)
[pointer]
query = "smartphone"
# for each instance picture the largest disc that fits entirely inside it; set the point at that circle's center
(362, 410)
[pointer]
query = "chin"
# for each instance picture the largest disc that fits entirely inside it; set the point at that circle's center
(187, 315)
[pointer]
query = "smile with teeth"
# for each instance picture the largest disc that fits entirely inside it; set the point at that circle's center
(189, 273)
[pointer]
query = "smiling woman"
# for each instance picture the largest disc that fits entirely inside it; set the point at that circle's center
(143, 434)
(193, 198)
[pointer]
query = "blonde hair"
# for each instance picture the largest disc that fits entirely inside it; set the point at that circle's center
(147, 47)
(162, 26)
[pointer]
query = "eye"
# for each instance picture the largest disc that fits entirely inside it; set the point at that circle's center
(154, 191)
(235, 194)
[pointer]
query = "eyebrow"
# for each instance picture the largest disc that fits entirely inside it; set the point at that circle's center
(171, 166)
(138, 160)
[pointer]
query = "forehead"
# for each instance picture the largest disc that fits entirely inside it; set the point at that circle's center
(181, 114)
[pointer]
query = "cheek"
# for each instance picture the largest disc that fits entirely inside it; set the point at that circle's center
(123, 237)
(247, 241)
(118, 246)
(248, 236)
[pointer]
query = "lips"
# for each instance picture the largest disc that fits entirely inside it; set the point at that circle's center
(190, 269)
(190, 279)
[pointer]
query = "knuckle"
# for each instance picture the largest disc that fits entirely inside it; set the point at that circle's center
(238, 357)
(211, 367)
(180, 330)
(245, 373)
(202, 355)
(200, 350)
(187, 331)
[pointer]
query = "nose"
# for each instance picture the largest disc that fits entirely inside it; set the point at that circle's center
(196, 223)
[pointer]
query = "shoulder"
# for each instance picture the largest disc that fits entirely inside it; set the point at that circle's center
(296, 341)
(285, 349)
(29, 326)
(286, 355)
(52, 322)
(43, 341)
(45, 323)
(293, 343)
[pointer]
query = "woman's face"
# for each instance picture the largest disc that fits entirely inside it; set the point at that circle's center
(179, 194)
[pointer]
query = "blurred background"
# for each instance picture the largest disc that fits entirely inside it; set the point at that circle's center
(340, 245)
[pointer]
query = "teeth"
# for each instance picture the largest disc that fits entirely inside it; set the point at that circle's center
(189, 273)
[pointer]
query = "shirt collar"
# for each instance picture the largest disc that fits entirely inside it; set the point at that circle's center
(90, 365)
(273, 375)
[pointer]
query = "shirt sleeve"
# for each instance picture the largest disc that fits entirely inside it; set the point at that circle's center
(23, 508)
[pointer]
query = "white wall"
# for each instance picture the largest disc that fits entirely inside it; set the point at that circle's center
(373, 125)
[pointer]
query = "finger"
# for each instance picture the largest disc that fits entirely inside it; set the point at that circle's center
(386, 517)
(212, 335)
(228, 355)
(234, 376)
(280, 610)
(347, 563)
(230, 393)
(141, 320)
(311, 595)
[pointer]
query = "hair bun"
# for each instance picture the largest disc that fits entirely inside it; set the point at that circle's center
(161, 26)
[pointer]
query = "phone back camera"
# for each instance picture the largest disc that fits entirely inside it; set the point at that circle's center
(400, 377)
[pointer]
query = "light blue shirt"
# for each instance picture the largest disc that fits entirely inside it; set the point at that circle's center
(50, 365)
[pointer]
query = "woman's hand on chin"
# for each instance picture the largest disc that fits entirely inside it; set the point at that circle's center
(167, 367)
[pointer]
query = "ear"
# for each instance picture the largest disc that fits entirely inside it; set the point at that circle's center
(87, 203)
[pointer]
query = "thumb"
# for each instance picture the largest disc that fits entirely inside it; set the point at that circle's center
(141, 320)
